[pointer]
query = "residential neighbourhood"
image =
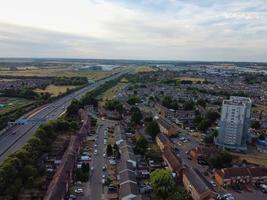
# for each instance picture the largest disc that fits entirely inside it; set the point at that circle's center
(156, 130)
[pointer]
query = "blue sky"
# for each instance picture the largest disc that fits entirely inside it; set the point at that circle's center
(232, 30)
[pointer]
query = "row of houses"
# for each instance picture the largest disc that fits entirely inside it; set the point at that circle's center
(126, 170)
(167, 127)
(181, 116)
(63, 176)
(234, 175)
(193, 181)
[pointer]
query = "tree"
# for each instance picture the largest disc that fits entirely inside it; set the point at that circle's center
(73, 125)
(147, 120)
(169, 102)
(189, 105)
(141, 145)
(256, 125)
(201, 102)
(114, 105)
(85, 167)
(204, 125)
(136, 116)
(133, 100)
(220, 160)
(262, 136)
(73, 108)
(162, 182)
(152, 129)
(212, 115)
(109, 150)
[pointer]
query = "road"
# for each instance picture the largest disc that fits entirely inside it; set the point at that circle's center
(15, 137)
(98, 163)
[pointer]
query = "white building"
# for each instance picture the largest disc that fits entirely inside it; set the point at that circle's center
(234, 124)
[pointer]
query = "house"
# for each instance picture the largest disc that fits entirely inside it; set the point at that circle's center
(185, 115)
(167, 127)
(229, 176)
(128, 191)
(173, 162)
(127, 154)
(163, 141)
(203, 152)
(196, 184)
(164, 112)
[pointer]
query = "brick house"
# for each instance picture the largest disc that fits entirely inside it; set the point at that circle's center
(167, 127)
(173, 162)
(163, 141)
(229, 176)
(202, 151)
(198, 187)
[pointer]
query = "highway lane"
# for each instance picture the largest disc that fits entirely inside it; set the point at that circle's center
(15, 137)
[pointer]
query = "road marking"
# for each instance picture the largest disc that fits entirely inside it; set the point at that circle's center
(35, 113)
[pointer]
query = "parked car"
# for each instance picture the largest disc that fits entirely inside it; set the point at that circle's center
(263, 188)
(78, 191)
(213, 183)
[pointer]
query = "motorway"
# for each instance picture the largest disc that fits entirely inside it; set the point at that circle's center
(15, 137)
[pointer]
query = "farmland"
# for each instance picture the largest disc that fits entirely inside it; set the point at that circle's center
(193, 79)
(55, 72)
(142, 69)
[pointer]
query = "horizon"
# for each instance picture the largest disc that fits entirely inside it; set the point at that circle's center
(170, 30)
(125, 59)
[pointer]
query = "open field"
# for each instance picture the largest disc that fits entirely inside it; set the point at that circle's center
(144, 69)
(109, 94)
(55, 90)
(58, 72)
(253, 156)
(9, 104)
(193, 79)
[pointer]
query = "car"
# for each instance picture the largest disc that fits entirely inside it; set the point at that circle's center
(104, 168)
(78, 183)
(263, 188)
(103, 176)
(95, 153)
(72, 197)
(78, 191)
(103, 181)
(104, 155)
(213, 183)
(112, 189)
(92, 168)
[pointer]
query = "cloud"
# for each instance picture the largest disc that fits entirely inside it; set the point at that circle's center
(140, 29)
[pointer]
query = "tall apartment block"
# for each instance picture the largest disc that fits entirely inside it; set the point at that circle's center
(234, 123)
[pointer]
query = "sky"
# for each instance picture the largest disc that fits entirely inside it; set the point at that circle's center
(210, 30)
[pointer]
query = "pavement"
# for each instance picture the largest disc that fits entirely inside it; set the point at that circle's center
(16, 136)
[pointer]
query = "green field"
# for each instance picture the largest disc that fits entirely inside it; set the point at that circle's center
(9, 104)
(109, 94)
(142, 69)
(55, 90)
(252, 156)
